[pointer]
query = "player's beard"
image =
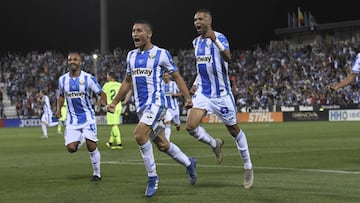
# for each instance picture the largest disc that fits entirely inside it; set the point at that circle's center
(74, 68)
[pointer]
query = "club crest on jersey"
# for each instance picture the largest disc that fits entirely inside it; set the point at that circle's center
(81, 82)
(204, 59)
(152, 56)
(141, 72)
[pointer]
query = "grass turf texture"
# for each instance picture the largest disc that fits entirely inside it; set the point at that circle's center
(293, 162)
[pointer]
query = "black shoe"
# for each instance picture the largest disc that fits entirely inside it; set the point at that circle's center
(96, 178)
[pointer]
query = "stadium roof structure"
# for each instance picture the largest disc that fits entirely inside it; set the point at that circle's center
(339, 31)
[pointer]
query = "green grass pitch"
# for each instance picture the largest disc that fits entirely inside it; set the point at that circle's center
(293, 162)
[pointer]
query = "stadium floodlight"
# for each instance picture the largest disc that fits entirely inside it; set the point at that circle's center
(95, 56)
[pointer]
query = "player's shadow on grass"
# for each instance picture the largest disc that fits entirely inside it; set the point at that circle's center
(79, 177)
(216, 184)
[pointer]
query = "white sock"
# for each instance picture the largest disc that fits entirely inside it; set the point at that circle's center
(95, 158)
(147, 154)
(44, 129)
(167, 131)
(201, 134)
(179, 156)
(242, 145)
(53, 124)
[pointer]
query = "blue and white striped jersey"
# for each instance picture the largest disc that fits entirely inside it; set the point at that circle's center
(212, 69)
(146, 69)
(170, 89)
(356, 64)
(77, 93)
(46, 105)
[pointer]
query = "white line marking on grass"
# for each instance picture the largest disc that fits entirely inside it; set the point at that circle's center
(311, 170)
(137, 162)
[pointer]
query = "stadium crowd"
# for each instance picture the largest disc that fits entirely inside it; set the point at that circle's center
(261, 78)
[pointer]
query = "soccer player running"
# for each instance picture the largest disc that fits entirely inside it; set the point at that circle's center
(172, 93)
(75, 87)
(111, 88)
(46, 117)
(213, 94)
(144, 68)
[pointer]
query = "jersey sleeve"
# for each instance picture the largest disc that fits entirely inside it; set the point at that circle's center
(128, 70)
(222, 38)
(167, 62)
(356, 64)
(94, 85)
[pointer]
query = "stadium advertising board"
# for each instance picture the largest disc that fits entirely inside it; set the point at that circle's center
(31, 122)
(251, 117)
(305, 116)
(259, 117)
(129, 113)
(344, 115)
(17, 122)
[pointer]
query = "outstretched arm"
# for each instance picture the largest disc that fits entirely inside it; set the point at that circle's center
(60, 103)
(124, 89)
(349, 79)
(194, 86)
(127, 97)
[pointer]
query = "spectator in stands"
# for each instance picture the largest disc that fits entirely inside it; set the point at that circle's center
(1, 109)
(280, 66)
(18, 107)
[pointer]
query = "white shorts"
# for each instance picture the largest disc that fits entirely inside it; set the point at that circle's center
(46, 118)
(75, 135)
(168, 116)
(175, 115)
(224, 107)
(153, 116)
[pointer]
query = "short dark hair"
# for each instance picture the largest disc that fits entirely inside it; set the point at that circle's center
(112, 75)
(145, 22)
(43, 91)
(204, 10)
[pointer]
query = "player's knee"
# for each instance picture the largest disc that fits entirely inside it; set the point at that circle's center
(190, 127)
(163, 146)
(140, 138)
(92, 146)
(71, 149)
(234, 130)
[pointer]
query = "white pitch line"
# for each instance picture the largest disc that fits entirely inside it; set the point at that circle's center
(311, 170)
(240, 167)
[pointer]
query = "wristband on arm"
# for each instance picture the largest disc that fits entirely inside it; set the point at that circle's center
(219, 45)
